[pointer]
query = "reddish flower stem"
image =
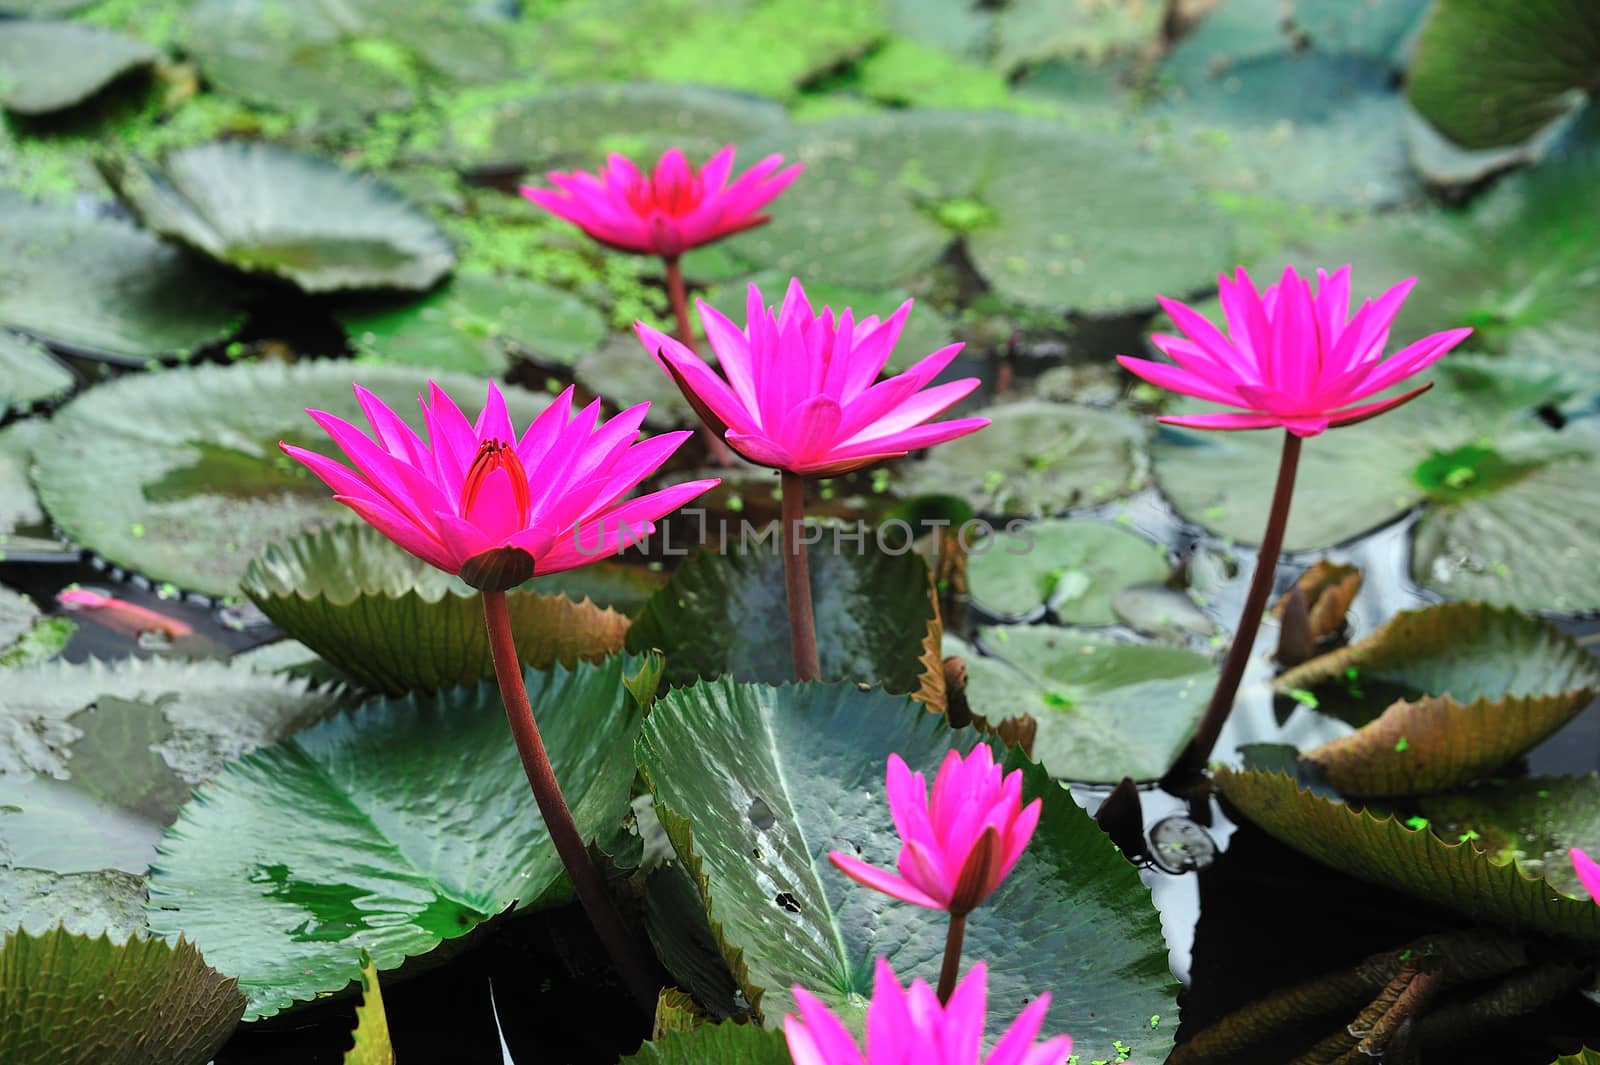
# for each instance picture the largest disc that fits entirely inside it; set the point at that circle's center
(1198, 752)
(721, 454)
(635, 968)
(950, 971)
(797, 580)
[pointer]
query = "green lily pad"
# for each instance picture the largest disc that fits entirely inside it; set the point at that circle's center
(28, 374)
(1036, 459)
(1582, 1057)
(1073, 568)
(271, 210)
(1050, 217)
(908, 73)
(774, 778)
(1382, 851)
(1471, 441)
(1106, 709)
(105, 289)
(611, 584)
(364, 833)
(476, 323)
(1242, 30)
(1532, 822)
(178, 475)
(1027, 31)
(49, 66)
(728, 613)
(623, 373)
(1489, 74)
(1467, 688)
(397, 624)
(17, 615)
(71, 1000)
(22, 523)
(725, 1044)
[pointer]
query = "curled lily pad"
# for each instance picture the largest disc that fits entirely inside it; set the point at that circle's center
(1073, 568)
(1532, 822)
(1036, 459)
(48, 66)
(398, 624)
(1490, 74)
(296, 858)
(1106, 709)
(723, 614)
(1050, 217)
(71, 1000)
(178, 475)
(476, 323)
(1472, 687)
(106, 289)
(271, 210)
(1381, 850)
(775, 777)
(28, 373)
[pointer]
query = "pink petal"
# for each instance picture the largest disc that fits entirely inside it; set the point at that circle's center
(1224, 422)
(1176, 379)
(404, 532)
(822, 1040)
(1588, 872)
(880, 880)
(1352, 415)
(699, 379)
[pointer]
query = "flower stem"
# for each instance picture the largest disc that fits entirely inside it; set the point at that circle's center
(721, 454)
(635, 968)
(951, 969)
(1198, 752)
(797, 580)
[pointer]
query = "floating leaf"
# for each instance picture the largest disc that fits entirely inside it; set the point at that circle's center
(1382, 851)
(476, 322)
(53, 65)
(17, 615)
(28, 373)
(1027, 31)
(272, 210)
(389, 830)
(105, 289)
(1489, 74)
(1036, 459)
(1106, 709)
(776, 777)
(1532, 821)
(1084, 223)
(18, 507)
(728, 613)
(725, 1044)
(102, 901)
(178, 475)
(372, 1045)
(66, 999)
(1075, 568)
(1238, 31)
(397, 624)
(1472, 687)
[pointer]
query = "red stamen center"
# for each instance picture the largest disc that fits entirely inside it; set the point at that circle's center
(496, 455)
(664, 194)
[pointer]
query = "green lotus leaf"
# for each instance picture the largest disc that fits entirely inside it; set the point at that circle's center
(1036, 459)
(1532, 822)
(365, 832)
(1489, 74)
(725, 1044)
(397, 624)
(71, 1000)
(1106, 709)
(178, 475)
(29, 373)
(271, 210)
(1089, 223)
(1238, 31)
(17, 616)
(1073, 568)
(104, 289)
(1027, 31)
(49, 66)
(476, 323)
(1381, 850)
(728, 614)
(1467, 687)
(755, 785)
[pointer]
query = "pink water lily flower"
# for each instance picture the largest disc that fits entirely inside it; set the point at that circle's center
(957, 846)
(1290, 357)
(909, 1027)
(1588, 872)
(478, 500)
(671, 210)
(801, 391)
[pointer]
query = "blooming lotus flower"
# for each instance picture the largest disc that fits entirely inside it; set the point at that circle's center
(909, 1027)
(1290, 358)
(672, 210)
(477, 500)
(799, 392)
(957, 846)
(1588, 872)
